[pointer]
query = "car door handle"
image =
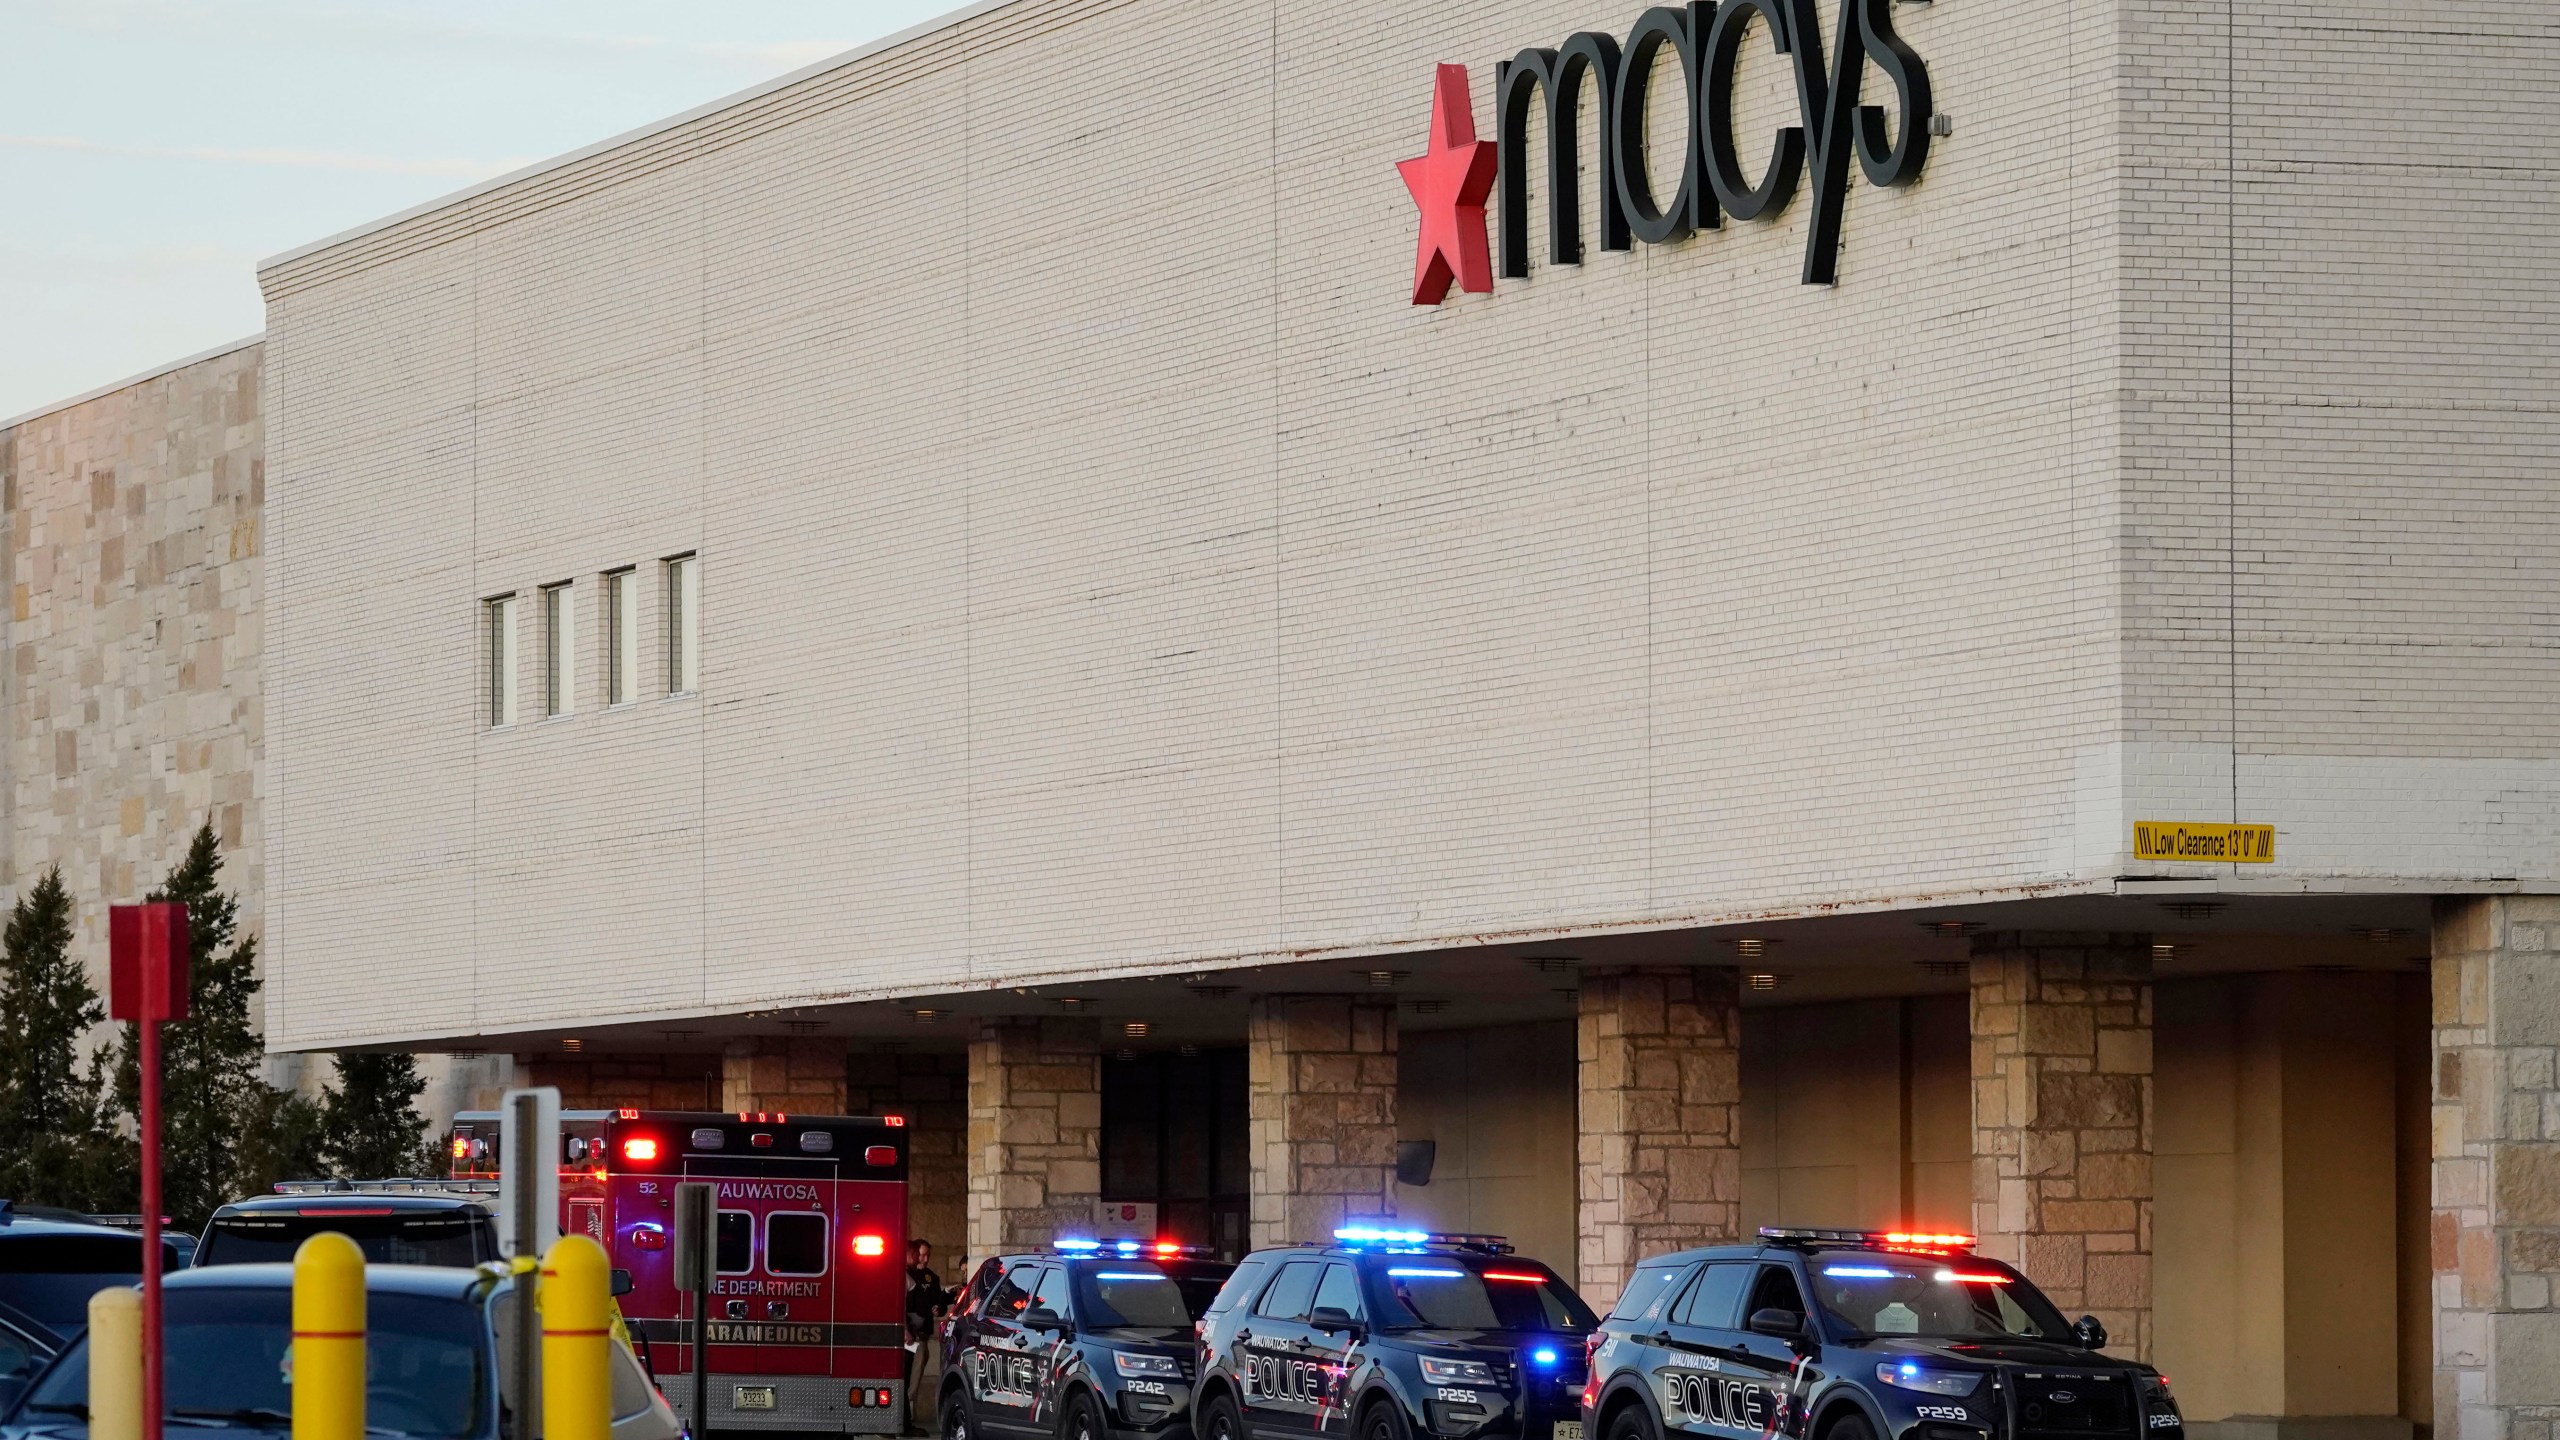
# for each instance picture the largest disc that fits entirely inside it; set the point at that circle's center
(1243, 1335)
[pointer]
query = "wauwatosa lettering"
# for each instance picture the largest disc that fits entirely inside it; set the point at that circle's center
(1707, 42)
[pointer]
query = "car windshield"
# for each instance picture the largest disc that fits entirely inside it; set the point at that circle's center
(51, 1277)
(1960, 1297)
(1432, 1292)
(1119, 1292)
(230, 1361)
(434, 1237)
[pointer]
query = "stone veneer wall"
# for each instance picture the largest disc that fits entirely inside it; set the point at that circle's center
(1660, 1160)
(800, 1075)
(931, 1089)
(605, 1082)
(2062, 1109)
(1035, 1131)
(1320, 1114)
(135, 572)
(2496, 1240)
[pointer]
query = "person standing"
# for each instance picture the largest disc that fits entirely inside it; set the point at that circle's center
(926, 1302)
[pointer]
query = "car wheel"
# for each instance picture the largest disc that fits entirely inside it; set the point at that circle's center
(1219, 1421)
(1630, 1423)
(1083, 1420)
(1384, 1420)
(1852, 1426)
(955, 1417)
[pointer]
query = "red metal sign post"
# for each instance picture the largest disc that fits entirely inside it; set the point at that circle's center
(147, 984)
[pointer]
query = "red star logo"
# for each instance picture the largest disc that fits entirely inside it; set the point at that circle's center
(1449, 182)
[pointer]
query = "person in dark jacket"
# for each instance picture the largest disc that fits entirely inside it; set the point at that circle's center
(926, 1302)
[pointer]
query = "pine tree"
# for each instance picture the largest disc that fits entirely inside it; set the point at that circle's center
(47, 1128)
(224, 1131)
(371, 1127)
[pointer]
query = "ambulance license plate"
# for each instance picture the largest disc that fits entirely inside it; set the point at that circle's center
(760, 1397)
(1568, 1430)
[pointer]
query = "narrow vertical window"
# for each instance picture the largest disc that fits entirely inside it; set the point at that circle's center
(502, 660)
(684, 596)
(621, 635)
(559, 649)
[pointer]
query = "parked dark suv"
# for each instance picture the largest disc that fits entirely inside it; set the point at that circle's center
(1091, 1340)
(1392, 1335)
(1856, 1335)
(395, 1222)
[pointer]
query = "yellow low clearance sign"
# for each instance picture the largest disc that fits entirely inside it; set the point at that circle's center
(2204, 843)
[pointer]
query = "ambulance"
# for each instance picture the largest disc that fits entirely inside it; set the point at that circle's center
(807, 1323)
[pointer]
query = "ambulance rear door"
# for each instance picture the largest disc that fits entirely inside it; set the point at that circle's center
(773, 1302)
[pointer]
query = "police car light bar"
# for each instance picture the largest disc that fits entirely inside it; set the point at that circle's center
(1132, 1249)
(1879, 1239)
(1376, 1235)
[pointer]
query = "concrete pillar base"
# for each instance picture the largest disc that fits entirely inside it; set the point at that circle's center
(1659, 1165)
(2062, 1139)
(1321, 1114)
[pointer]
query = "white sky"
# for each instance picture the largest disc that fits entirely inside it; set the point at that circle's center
(153, 151)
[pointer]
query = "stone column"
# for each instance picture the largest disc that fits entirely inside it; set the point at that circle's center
(930, 1091)
(1035, 1132)
(2062, 1120)
(1320, 1073)
(2495, 1244)
(1659, 1166)
(779, 1076)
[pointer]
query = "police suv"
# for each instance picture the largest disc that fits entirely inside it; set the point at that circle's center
(1392, 1335)
(1858, 1335)
(1091, 1340)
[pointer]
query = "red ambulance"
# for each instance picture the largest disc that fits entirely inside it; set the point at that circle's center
(808, 1315)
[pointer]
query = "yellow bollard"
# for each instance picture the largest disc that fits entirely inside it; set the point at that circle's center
(115, 1365)
(328, 1339)
(576, 1301)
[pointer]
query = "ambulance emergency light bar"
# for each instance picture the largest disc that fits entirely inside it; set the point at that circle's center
(1379, 1235)
(1875, 1239)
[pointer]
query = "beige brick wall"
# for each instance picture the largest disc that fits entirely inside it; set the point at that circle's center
(1105, 570)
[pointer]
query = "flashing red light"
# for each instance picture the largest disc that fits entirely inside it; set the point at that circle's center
(638, 1147)
(1962, 1277)
(879, 1154)
(344, 1210)
(626, 1113)
(882, 1396)
(762, 1140)
(648, 1237)
(895, 1120)
(1934, 1242)
(870, 1245)
(461, 1148)
(1515, 1275)
(1168, 1247)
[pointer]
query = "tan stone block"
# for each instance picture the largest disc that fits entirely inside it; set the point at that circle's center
(2057, 1030)
(2117, 1281)
(1080, 1177)
(1712, 1077)
(2530, 1250)
(2074, 1216)
(2526, 1184)
(2124, 1175)
(2048, 1152)
(2525, 1357)
(2124, 1052)
(2088, 1101)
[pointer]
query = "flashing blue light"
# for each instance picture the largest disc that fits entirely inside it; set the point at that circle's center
(1127, 1247)
(1544, 1355)
(1860, 1272)
(1131, 1275)
(1416, 1272)
(1077, 1244)
(1371, 1235)
(1910, 1369)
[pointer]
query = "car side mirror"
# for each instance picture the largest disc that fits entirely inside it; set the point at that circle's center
(1785, 1324)
(1041, 1317)
(1331, 1319)
(2088, 1334)
(621, 1281)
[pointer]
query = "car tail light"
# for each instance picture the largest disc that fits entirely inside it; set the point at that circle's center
(641, 1148)
(870, 1245)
